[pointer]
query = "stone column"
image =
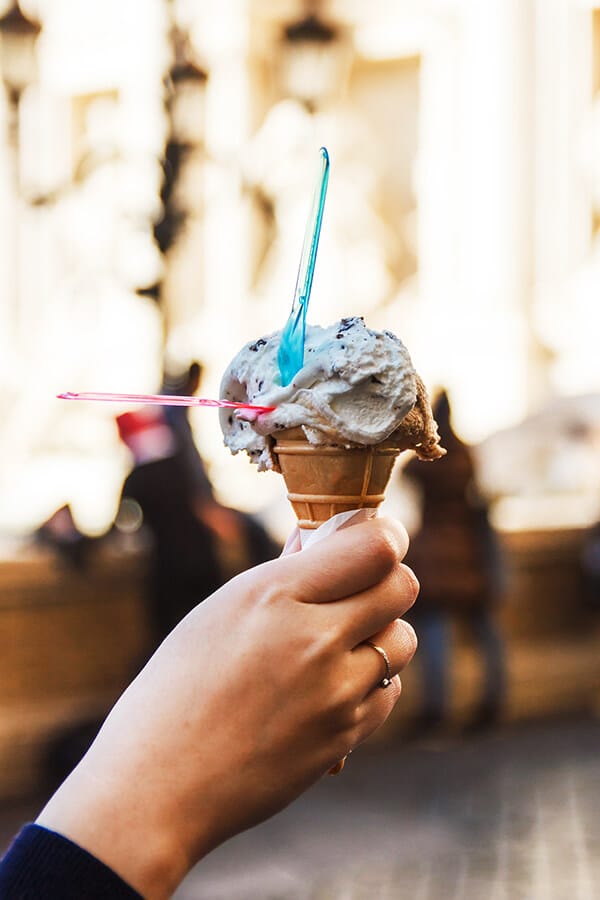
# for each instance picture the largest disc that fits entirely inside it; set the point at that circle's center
(566, 164)
(494, 215)
(476, 195)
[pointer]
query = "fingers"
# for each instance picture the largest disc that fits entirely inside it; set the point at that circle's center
(355, 576)
(368, 612)
(398, 642)
(364, 703)
(348, 562)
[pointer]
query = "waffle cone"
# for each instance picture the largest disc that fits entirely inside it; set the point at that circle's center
(323, 480)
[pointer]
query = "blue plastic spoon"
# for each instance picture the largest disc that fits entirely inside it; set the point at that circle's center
(290, 357)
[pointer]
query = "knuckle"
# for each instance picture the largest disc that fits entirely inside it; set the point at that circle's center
(409, 640)
(385, 547)
(328, 640)
(410, 583)
(353, 717)
(267, 595)
(344, 706)
(343, 701)
(395, 534)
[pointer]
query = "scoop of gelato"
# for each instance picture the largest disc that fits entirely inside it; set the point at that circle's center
(357, 387)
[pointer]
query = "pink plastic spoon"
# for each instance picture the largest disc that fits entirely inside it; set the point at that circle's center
(162, 400)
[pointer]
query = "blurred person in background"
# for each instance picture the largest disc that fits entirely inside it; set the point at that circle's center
(186, 384)
(60, 534)
(242, 541)
(456, 554)
(590, 565)
(160, 496)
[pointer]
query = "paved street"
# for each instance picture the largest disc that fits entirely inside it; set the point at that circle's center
(510, 816)
(513, 815)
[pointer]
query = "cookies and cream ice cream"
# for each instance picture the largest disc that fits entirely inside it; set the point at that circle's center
(357, 388)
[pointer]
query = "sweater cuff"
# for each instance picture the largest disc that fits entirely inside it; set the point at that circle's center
(43, 865)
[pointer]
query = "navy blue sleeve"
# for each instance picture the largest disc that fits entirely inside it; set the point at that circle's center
(43, 865)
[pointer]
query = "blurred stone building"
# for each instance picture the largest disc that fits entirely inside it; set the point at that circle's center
(462, 213)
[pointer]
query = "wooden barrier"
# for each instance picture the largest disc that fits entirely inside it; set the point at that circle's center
(69, 643)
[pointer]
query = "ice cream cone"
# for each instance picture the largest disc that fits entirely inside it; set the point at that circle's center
(323, 480)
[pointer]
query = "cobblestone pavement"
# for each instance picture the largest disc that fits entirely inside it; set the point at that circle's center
(513, 815)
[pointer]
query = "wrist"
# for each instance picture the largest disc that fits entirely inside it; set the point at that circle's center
(121, 825)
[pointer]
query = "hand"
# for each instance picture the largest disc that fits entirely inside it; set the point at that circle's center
(253, 696)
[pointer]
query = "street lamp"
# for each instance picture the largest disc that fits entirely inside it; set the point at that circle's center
(186, 102)
(18, 62)
(18, 69)
(185, 85)
(314, 59)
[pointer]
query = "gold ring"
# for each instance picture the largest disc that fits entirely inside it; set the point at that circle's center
(387, 678)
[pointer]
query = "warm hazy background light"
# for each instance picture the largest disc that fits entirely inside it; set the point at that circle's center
(463, 214)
